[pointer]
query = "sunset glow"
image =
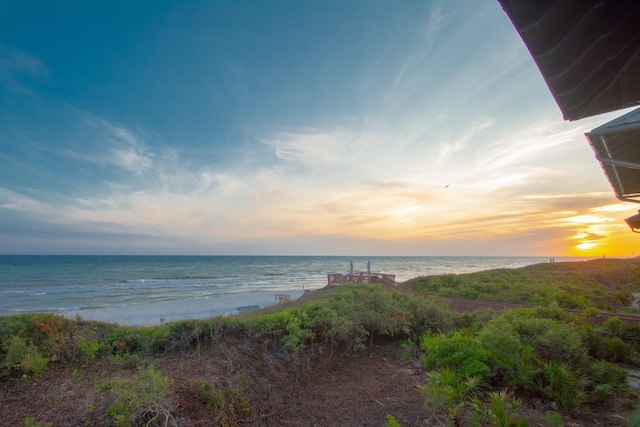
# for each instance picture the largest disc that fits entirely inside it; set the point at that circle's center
(586, 245)
(355, 129)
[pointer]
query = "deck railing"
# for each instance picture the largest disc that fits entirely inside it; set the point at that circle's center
(361, 278)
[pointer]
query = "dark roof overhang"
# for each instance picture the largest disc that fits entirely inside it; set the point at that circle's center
(587, 51)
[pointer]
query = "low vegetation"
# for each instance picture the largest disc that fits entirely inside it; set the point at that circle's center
(603, 284)
(541, 364)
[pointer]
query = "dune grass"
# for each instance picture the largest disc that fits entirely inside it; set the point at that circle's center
(604, 284)
(478, 366)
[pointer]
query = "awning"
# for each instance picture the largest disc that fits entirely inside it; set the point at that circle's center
(587, 51)
(617, 147)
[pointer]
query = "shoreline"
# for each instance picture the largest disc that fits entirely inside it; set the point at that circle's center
(171, 311)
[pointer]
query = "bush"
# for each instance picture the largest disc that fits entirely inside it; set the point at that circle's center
(18, 324)
(511, 361)
(351, 316)
(608, 348)
(613, 326)
(566, 386)
(126, 340)
(141, 401)
(555, 354)
(606, 380)
(552, 337)
(228, 401)
(30, 422)
(499, 409)
(462, 354)
(447, 392)
(392, 421)
(24, 356)
(474, 320)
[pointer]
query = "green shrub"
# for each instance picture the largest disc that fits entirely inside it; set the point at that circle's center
(392, 421)
(463, 354)
(613, 326)
(129, 361)
(631, 333)
(556, 354)
(512, 362)
(30, 422)
(499, 409)
(181, 335)
(85, 346)
(296, 335)
(609, 348)
(448, 394)
(474, 320)
(351, 316)
(634, 421)
(227, 401)
(142, 400)
(563, 384)
(567, 299)
(126, 340)
(604, 284)
(24, 356)
(562, 342)
(606, 380)
(551, 332)
(554, 419)
(16, 325)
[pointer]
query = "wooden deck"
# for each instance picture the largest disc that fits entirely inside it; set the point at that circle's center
(361, 278)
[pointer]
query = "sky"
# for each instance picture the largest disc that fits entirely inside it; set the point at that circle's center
(276, 127)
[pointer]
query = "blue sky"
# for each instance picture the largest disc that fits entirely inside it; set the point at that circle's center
(288, 127)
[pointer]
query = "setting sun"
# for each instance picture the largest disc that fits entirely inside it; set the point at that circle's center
(586, 245)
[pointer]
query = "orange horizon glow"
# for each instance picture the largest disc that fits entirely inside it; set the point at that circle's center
(620, 243)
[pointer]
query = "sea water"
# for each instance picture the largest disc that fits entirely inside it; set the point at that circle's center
(138, 290)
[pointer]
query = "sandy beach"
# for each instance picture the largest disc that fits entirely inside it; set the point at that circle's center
(146, 290)
(171, 311)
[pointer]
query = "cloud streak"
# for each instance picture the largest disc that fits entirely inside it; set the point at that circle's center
(427, 128)
(124, 149)
(15, 65)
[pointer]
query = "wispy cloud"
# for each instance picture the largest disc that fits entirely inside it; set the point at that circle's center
(124, 149)
(434, 25)
(14, 65)
(589, 236)
(13, 60)
(447, 148)
(525, 145)
(11, 200)
(134, 159)
(616, 207)
(427, 148)
(365, 182)
(104, 143)
(408, 68)
(308, 145)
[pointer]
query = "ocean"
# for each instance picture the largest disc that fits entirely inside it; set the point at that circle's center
(141, 290)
